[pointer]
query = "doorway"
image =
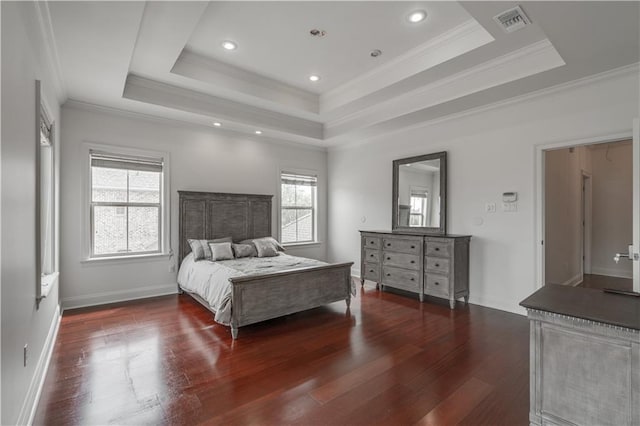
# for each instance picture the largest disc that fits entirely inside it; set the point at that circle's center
(588, 214)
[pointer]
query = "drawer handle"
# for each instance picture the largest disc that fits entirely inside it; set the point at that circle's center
(437, 248)
(388, 258)
(413, 246)
(388, 275)
(413, 279)
(370, 270)
(372, 242)
(413, 261)
(437, 264)
(388, 244)
(371, 255)
(437, 283)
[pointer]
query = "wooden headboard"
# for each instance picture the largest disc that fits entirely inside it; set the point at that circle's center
(209, 215)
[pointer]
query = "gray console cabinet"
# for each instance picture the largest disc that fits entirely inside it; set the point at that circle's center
(584, 357)
(432, 265)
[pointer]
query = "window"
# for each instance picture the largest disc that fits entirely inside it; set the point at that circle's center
(298, 213)
(46, 196)
(126, 205)
(46, 205)
(418, 212)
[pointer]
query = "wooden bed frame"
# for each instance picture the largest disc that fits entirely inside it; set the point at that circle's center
(255, 298)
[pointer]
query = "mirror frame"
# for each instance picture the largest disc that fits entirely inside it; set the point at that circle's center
(442, 229)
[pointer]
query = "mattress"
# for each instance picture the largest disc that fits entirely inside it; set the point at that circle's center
(210, 280)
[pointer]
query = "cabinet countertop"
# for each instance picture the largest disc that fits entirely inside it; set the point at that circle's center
(587, 303)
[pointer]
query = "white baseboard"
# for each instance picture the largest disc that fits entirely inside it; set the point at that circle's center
(482, 301)
(573, 281)
(118, 296)
(28, 410)
(497, 304)
(610, 272)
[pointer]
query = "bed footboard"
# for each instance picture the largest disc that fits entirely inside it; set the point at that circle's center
(258, 298)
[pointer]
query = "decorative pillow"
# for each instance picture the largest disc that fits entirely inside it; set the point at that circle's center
(221, 251)
(201, 250)
(275, 242)
(265, 247)
(244, 250)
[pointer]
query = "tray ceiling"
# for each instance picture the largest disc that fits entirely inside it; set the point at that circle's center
(166, 59)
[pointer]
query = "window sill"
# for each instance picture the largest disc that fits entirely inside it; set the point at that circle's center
(296, 245)
(47, 282)
(132, 258)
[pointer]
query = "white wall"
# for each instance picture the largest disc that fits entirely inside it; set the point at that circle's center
(563, 213)
(490, 152)
(22, 63)
(612, 208)
(201, 160)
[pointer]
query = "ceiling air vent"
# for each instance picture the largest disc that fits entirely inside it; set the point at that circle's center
(512, 20)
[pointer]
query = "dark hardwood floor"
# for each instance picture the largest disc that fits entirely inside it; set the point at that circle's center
(603, 281)
(390, 360)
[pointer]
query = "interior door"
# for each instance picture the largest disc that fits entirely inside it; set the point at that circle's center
(636, 205)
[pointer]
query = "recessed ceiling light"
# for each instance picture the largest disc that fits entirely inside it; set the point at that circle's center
(417, 16)
(314, 78)
(229, 45)
(217, 124)
(375, 53)
(258, 132)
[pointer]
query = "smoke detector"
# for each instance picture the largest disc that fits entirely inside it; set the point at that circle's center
(512, 20)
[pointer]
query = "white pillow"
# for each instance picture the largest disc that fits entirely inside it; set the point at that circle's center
(201, 250)
(221, 251)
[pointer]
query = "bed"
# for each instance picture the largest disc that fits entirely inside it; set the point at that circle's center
(257, 289)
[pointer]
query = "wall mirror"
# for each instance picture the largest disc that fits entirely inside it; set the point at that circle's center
(420, 194)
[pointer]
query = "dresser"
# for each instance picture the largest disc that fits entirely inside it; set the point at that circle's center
(431, 265)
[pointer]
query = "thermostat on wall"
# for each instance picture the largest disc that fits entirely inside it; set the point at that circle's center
(509, 197)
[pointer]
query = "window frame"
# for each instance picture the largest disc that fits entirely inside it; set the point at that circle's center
(164, 231)
(47, 266)
(424, 206)
(314, 209)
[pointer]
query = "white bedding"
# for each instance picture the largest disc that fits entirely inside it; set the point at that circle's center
(210, 280)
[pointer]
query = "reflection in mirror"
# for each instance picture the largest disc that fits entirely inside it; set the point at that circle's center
(419, 194)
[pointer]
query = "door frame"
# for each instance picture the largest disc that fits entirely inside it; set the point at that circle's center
(539, 185)
(586, 213)
(635, 140)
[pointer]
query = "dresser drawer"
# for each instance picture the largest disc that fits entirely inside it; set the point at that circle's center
(372, 242)
(372, 255)
(438, 248)
(436, 285)
(438, 265)
(401, 245)
(401, 260)
(371, 272)
(401, 278)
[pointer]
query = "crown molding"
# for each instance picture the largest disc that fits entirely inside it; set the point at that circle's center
(621, 72)
(158, 93)
(459, 40)
(47, 36)
(529, 60)
(189, 125)
(235, 79)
